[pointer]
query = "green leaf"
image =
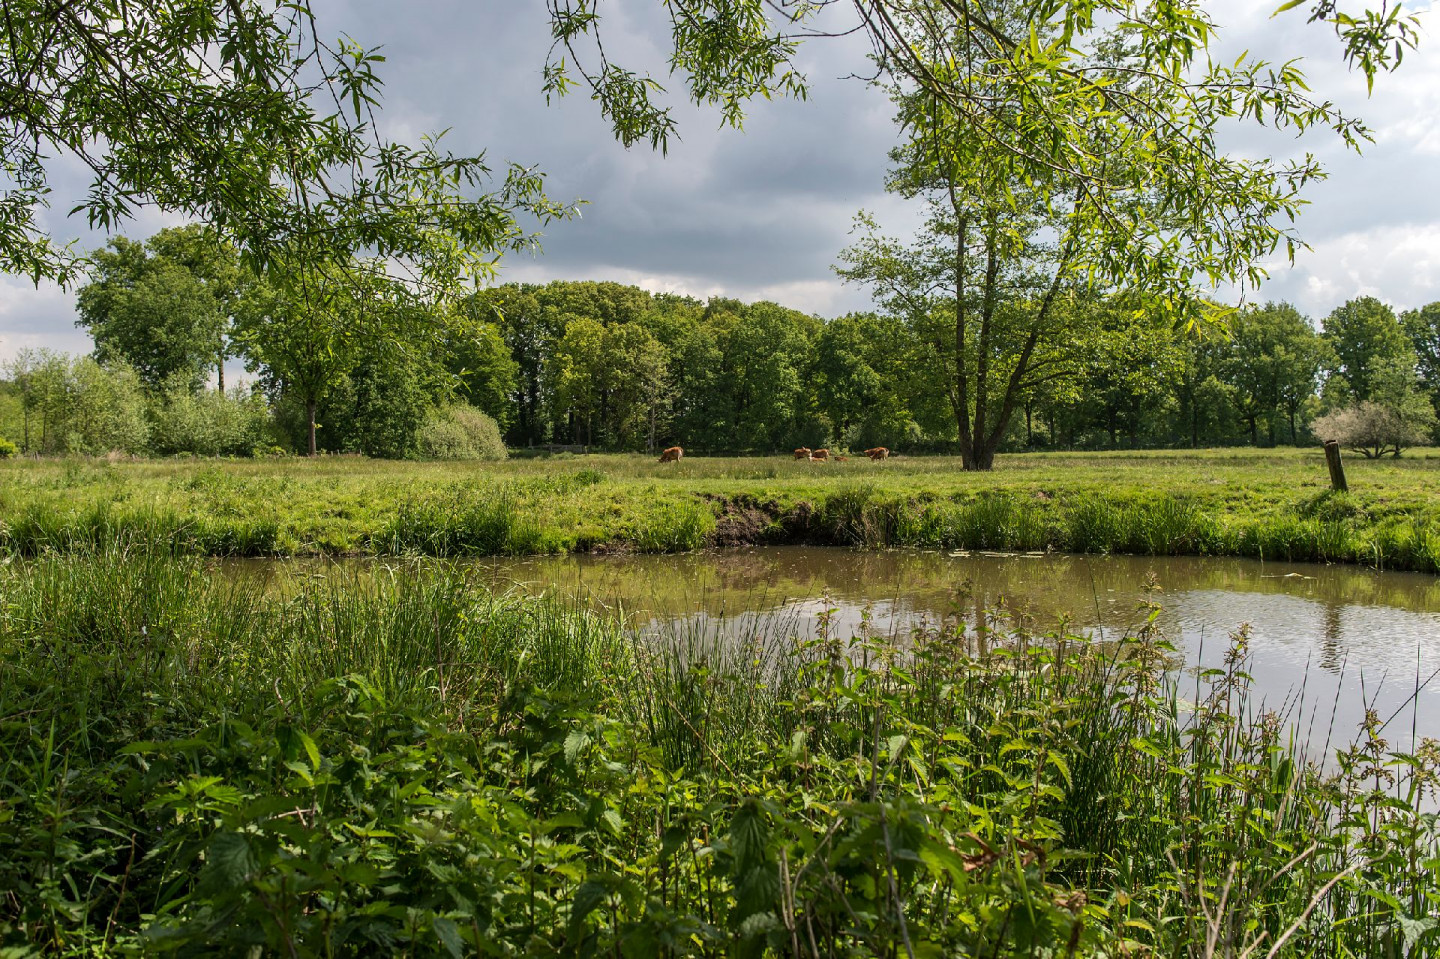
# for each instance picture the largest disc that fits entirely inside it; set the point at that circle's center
(575, 742)
(229, 862)
(449, 935)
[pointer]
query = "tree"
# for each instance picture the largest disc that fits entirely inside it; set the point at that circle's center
(1370, 429)
(236, 113)
(487, 376)
(767, 360)
(164, 307)
(609, 380)
(1273, 363)
(1130, 363)
(300, 333)
(575, 370)
(1422, 326)
(1068, 92)
(1204, 403)
(862, 365)
(1362, 333)
(76, 405)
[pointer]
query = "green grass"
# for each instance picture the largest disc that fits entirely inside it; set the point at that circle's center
(406, 763)
(1273, 504)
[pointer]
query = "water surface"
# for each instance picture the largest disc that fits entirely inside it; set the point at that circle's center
(1324, 640)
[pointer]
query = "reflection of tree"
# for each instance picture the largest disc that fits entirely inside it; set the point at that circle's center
(938, 586)
(1332, 646)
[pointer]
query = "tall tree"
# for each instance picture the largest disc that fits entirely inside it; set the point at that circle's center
(1422, 326)
(1274, 362)
(165, 306)
(301, 333)
(863, 380)
(1364, 334)
(768, 359)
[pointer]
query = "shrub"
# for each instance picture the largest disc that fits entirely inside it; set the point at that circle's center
(1373, 430)
(209, 423)
(7, 449)
(460, 432)
(76, 405)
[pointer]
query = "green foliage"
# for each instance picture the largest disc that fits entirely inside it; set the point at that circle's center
(244, 116)
(164, 307)
(462, 522)
(1237, 503)
(460, 432)
(674, 528)
(7, 449)
(76, 405)
(208, 423)
(1364, 335)
(412, 763)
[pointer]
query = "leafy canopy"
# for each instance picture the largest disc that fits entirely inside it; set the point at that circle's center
(239, 114)
(1116, 106)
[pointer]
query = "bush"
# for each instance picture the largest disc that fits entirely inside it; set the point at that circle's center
(209, 423)
(7, 449)
(76, 405)
(460, 432)
(1374, 430)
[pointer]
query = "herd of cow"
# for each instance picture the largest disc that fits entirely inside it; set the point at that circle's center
(674, 453)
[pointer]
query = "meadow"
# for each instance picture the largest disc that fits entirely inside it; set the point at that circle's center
(417, 766)
(1273, 504)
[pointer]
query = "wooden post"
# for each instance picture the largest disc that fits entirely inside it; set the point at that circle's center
(1337, 469)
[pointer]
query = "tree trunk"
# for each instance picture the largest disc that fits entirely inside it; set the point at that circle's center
(220, 372)
(1029, 426)
(310, 423)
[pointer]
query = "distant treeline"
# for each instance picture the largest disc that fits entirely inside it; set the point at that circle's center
(614, 367)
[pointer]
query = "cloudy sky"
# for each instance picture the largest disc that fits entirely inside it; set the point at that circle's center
(762, 213)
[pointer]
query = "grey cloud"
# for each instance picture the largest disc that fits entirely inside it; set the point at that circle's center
(765, 211)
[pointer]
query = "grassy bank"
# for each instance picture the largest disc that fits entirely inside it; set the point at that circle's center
(416, 766)
(1273, 504)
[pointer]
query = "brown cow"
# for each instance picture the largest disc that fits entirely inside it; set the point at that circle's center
(821, 455)
(803, 453)
(672, 454)
(842, 459)
(878, 453)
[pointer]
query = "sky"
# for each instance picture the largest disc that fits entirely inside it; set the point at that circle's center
(762, 213)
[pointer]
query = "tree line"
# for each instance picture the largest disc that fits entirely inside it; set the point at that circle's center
(614, 367)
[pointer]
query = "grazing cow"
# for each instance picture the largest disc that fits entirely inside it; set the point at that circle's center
(803, 453)
(878, 453)
(842, 459)
(672, 454)
(821, 455)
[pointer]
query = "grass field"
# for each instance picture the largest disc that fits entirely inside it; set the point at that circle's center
(1265, 503)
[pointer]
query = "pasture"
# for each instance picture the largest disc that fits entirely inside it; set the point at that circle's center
(1266, 503)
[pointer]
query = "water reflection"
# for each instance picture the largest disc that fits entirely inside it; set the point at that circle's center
(1325, 640)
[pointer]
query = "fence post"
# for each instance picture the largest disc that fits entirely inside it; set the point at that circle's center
(1337, 469)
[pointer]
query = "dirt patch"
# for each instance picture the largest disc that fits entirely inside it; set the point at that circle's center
(747, 521)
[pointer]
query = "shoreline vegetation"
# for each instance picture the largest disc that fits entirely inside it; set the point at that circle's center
(1268, 504)
(418, 765)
